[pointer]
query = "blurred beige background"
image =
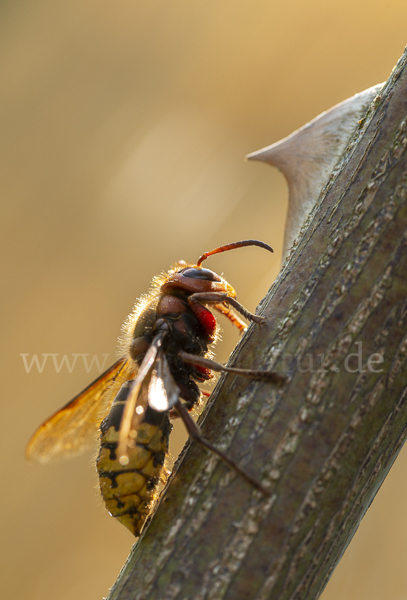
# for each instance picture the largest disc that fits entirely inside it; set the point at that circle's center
(123, 131)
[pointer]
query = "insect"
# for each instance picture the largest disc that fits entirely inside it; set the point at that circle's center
(165, 352)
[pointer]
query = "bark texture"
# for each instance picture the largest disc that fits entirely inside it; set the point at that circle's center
(324, 441)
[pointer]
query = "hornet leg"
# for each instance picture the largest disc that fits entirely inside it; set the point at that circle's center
(215, 366)
(220, 297)
(196, 434)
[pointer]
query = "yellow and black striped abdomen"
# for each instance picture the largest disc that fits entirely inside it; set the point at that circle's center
(128, 491)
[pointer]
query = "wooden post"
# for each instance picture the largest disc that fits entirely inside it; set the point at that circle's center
(324, 441)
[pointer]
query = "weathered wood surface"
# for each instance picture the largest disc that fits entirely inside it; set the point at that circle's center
(323, 442)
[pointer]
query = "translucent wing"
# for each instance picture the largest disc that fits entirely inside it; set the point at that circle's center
(136, 403)
(163, 392)
(72, 429)
(154, 386)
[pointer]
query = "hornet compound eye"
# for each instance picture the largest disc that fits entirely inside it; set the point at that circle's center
(206, 274)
